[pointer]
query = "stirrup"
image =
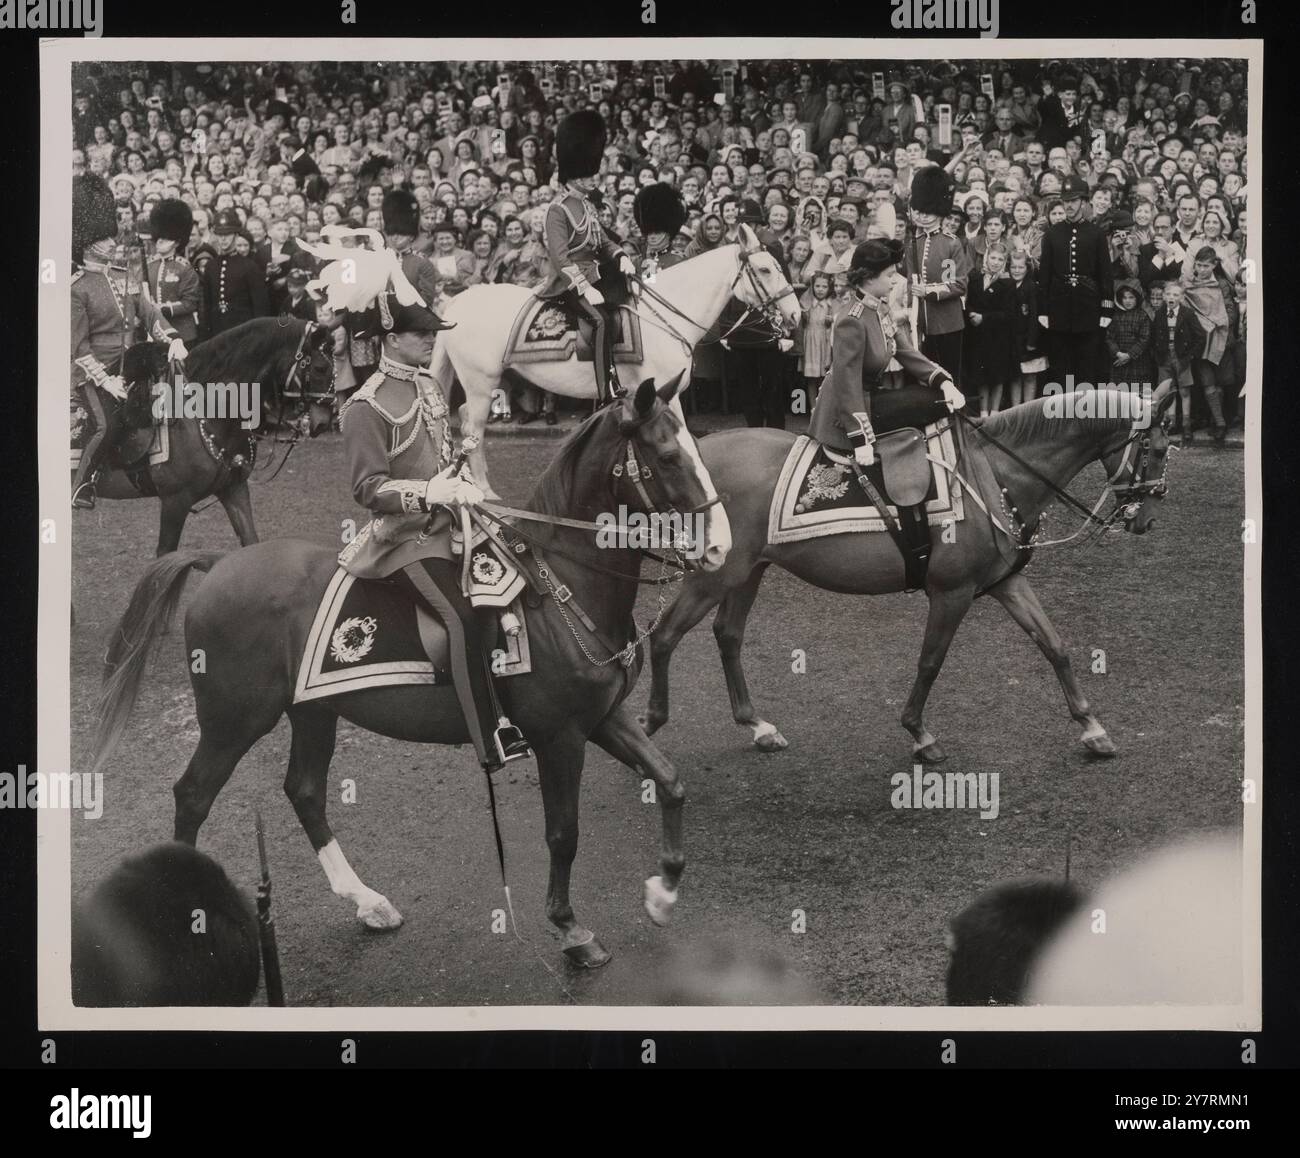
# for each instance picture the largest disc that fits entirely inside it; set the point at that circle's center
(509, 742)
(83, 498)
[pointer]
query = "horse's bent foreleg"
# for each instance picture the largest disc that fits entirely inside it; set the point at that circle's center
(697, 596)
(305, 784)
(947, 609)
(175, 510)
(621, 736)
(729, 631)
(239, 510)
(559, 763)
(473, 420)
(1021, 602)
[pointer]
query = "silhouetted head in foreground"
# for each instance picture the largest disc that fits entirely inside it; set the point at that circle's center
(997, 938)
(166, 927)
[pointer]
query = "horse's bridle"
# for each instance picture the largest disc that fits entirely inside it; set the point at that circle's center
(301, 361)
(1130, 495)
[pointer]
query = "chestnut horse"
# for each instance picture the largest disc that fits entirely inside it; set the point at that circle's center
(254, 611)
(1033, 451)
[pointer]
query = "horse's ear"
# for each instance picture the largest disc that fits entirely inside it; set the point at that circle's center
(668, 391)
(748, 239)
(645, 397)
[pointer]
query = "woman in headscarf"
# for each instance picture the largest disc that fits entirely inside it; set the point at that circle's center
(811, 219)
(709, 236)
(1214, 234)
(1207, 292)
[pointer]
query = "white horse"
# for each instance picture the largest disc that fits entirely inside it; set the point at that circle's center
(693, 292)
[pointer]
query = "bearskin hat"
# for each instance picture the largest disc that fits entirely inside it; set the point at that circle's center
(579, 144)
(401, 212)
(931, 191)
(659, 209)
(94, 212)
(172, 220)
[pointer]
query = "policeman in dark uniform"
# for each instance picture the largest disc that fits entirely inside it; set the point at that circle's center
(582, 258)
(234, 289)
(1076, 283)
(173, 284)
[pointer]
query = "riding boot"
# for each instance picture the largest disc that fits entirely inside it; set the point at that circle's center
(95, 451)
(602, 347)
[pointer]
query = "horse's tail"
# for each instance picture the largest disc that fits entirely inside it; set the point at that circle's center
(153, 602)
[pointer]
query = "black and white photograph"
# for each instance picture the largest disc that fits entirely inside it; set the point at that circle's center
(586, 538)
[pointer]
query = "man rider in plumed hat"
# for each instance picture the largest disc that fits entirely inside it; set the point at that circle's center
(397, 437)
(581, 255)
(105, 317)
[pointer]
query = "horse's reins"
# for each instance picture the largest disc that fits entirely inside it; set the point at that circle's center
(1124, 495)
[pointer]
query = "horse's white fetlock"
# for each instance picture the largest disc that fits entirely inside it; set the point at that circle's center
(659, 900)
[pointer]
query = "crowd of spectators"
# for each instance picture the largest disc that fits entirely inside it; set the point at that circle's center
(819, 154)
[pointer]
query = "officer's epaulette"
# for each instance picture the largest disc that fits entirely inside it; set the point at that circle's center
(366, 393)
(855, 310)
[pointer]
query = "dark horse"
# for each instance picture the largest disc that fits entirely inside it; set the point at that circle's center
(1049, 442)
(254, 611)
(213, 456)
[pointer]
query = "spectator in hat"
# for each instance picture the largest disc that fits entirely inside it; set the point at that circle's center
(1062, 116)
(453, 264)
(1128, 339)
(299, 303)
(900, 113)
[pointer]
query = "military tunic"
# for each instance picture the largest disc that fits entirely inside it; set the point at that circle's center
(104, 320)
(175, 289)
(864, 340)
(396, 431)
(575, 243)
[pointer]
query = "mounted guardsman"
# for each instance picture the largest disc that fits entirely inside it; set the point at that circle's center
(865, 338)
(582, 257)
(400, 460)
(106, 312)
(173, 284)
(660, 213)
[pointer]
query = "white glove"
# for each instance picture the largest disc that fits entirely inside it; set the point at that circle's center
(468, 493)
(176, 351)
(724, 343)
(625, 265)
(443, 489)
(116, 386)
(592, 294)
(785, 345)
(865, 455)
(951, 395)
(1042, 320)
(1104, 322)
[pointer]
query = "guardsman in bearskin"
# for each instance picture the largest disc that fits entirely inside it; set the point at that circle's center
(401, 228)
(105, 316)
(173, 284)
(864, 340)
(1076, 281)
(660, 213)
(581, 256)
(937, 268)
(234, 287)
(398, 439)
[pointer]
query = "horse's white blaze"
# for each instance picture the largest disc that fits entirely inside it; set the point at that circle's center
(719, 526)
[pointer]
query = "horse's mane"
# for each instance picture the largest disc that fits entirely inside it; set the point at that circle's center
(1029, 421)
(253, 344)
(554, 491)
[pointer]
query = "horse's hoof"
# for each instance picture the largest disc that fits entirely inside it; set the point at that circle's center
(1100, 744)
(768, 739)
(381, 915)
(930, 754)
(659, 900)
(588, 953)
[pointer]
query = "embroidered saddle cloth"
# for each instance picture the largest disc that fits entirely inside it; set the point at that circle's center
(547, 331)
(817, 493)
(368, 633)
